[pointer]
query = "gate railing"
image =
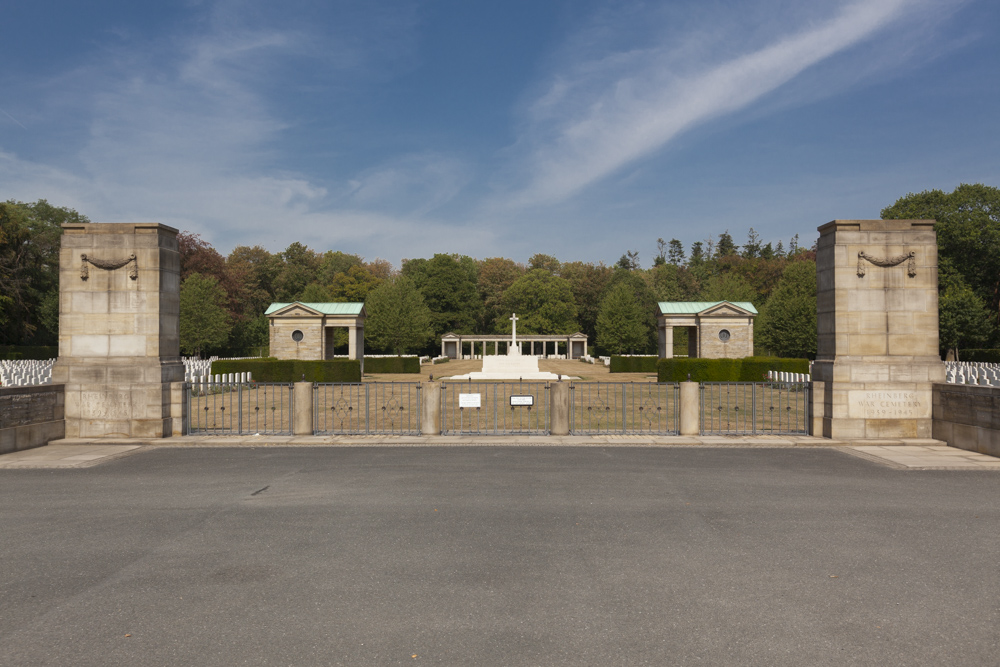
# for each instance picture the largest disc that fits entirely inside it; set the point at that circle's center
(625, 407)
(370, 408)
(234, 408)
(494, 408)
(749, 408)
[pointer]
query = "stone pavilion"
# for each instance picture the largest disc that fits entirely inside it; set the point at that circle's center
(716, 329)
(306, 330)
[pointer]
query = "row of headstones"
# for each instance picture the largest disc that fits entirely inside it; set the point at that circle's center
(972, 372)
(200, 370)
(781, 376)
(25, 372)
(225, 378)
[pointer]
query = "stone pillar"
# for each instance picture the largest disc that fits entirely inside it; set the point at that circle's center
(302, 408)
(877, 319)
(178, 409)
(119, 341)
(496, 348)
(352, 342)
(442, 348)
(690, 408)
(666, 341)
(559, 398)
(430, 408)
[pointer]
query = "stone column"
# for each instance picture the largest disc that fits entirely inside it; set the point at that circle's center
(430, 408)
(119, 341)
(442, 347)
(352, 342)
(693, 333)
(690, 408)
(559, 398)
(302, 408)
(877, 316)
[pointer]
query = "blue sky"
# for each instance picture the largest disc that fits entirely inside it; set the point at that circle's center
(575, 128)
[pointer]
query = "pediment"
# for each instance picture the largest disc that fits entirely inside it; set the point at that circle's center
(450, 336)
(725, 309)
(296, 310)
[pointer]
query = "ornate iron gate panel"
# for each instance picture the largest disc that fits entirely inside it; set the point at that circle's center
(235, 408)
(370, 408)
(750, 408)
(495, 408)
(625, 407)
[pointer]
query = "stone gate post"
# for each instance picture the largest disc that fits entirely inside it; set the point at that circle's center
(119, 341)
(877, 316)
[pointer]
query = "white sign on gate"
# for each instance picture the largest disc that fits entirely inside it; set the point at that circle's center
(469, 400)
(522, 401)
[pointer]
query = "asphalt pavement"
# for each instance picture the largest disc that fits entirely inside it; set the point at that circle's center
(498, 556)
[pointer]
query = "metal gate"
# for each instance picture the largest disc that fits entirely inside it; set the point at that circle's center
(750, 408)
(370, 408)
(625, 407)
(234, 408)
(494, 408)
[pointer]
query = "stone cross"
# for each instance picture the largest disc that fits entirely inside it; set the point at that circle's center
(513, 335)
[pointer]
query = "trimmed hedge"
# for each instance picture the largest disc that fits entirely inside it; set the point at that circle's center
(749, 369)
(984, 356)
(292, 370)
(40, 352)
(392, 364)
(621, 364)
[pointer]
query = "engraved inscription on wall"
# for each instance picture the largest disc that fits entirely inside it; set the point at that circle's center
(109, 405)
(885, 404)
(27, 408)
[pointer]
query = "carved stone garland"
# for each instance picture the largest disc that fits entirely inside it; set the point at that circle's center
(109, 265)
(911, 268)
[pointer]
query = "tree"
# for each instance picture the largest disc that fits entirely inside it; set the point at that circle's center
(544, 262)
(752, 247)
(787, 322)
(968, 234)
(697, 253)
(621, 324)
(963, 317)
(642, 289)
(204, 321)
(496, 274)
(725, 247)
(674, 283)
(588, 282)
(543, 302)
(676, 253)
(300, 267)
(398, 319)
(29, 270)
(728, 287)
(629, 261)
(661, 252)
(449, 290)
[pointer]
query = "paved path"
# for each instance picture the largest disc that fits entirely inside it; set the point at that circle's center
(498, 556)
(903, 454)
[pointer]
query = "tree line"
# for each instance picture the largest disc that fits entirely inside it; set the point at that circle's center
(223, 298)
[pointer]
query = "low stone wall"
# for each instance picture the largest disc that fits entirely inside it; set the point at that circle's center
(31, 416)
(967, 417)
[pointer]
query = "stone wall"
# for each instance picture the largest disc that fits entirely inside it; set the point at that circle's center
(739, 345)
(31, 416)
(968, 417)
(283, 346)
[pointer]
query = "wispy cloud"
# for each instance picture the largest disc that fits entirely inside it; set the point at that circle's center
(184, 132)
(600, 114)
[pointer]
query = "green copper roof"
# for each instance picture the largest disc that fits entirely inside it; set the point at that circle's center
(692, 307)
(325, 308)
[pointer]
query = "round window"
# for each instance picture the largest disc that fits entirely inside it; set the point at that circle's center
(297, 335)
(724, 335)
